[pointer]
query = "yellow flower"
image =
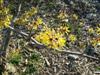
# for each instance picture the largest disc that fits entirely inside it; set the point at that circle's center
(95, 41)
(98, 31)
(63, 29)
(5, 17)
(90, 30)
(57, 41)
(72, 38)
(26, 16)
(31, 12)
(51, 39)
(62, 15)
(4, 11)
(5, 21)
(81, 23)
(61, 42)
(75, 17)
(43, 38)
(35, 24)
(39, 20)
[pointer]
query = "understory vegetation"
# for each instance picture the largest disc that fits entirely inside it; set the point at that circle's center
(49, 37)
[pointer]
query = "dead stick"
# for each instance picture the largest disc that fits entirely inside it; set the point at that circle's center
(80, 54)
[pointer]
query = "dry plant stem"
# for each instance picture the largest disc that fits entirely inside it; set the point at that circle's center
(80, 54)
(19, 9)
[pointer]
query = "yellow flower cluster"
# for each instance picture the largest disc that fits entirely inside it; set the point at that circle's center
(95, 41)
(81, 23)
(5, 19)
(98, 31)
(25, 17)
(75, 17)
(91, 30)
(62, 15)
(4, 11)
(72, 38)
(51, 38)
(63, 29)
(35, 24)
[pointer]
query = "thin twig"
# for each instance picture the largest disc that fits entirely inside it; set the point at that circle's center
(19, 9)
(25, 34)
(80, 54)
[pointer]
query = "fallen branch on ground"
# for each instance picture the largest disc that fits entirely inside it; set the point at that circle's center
(80, 54)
